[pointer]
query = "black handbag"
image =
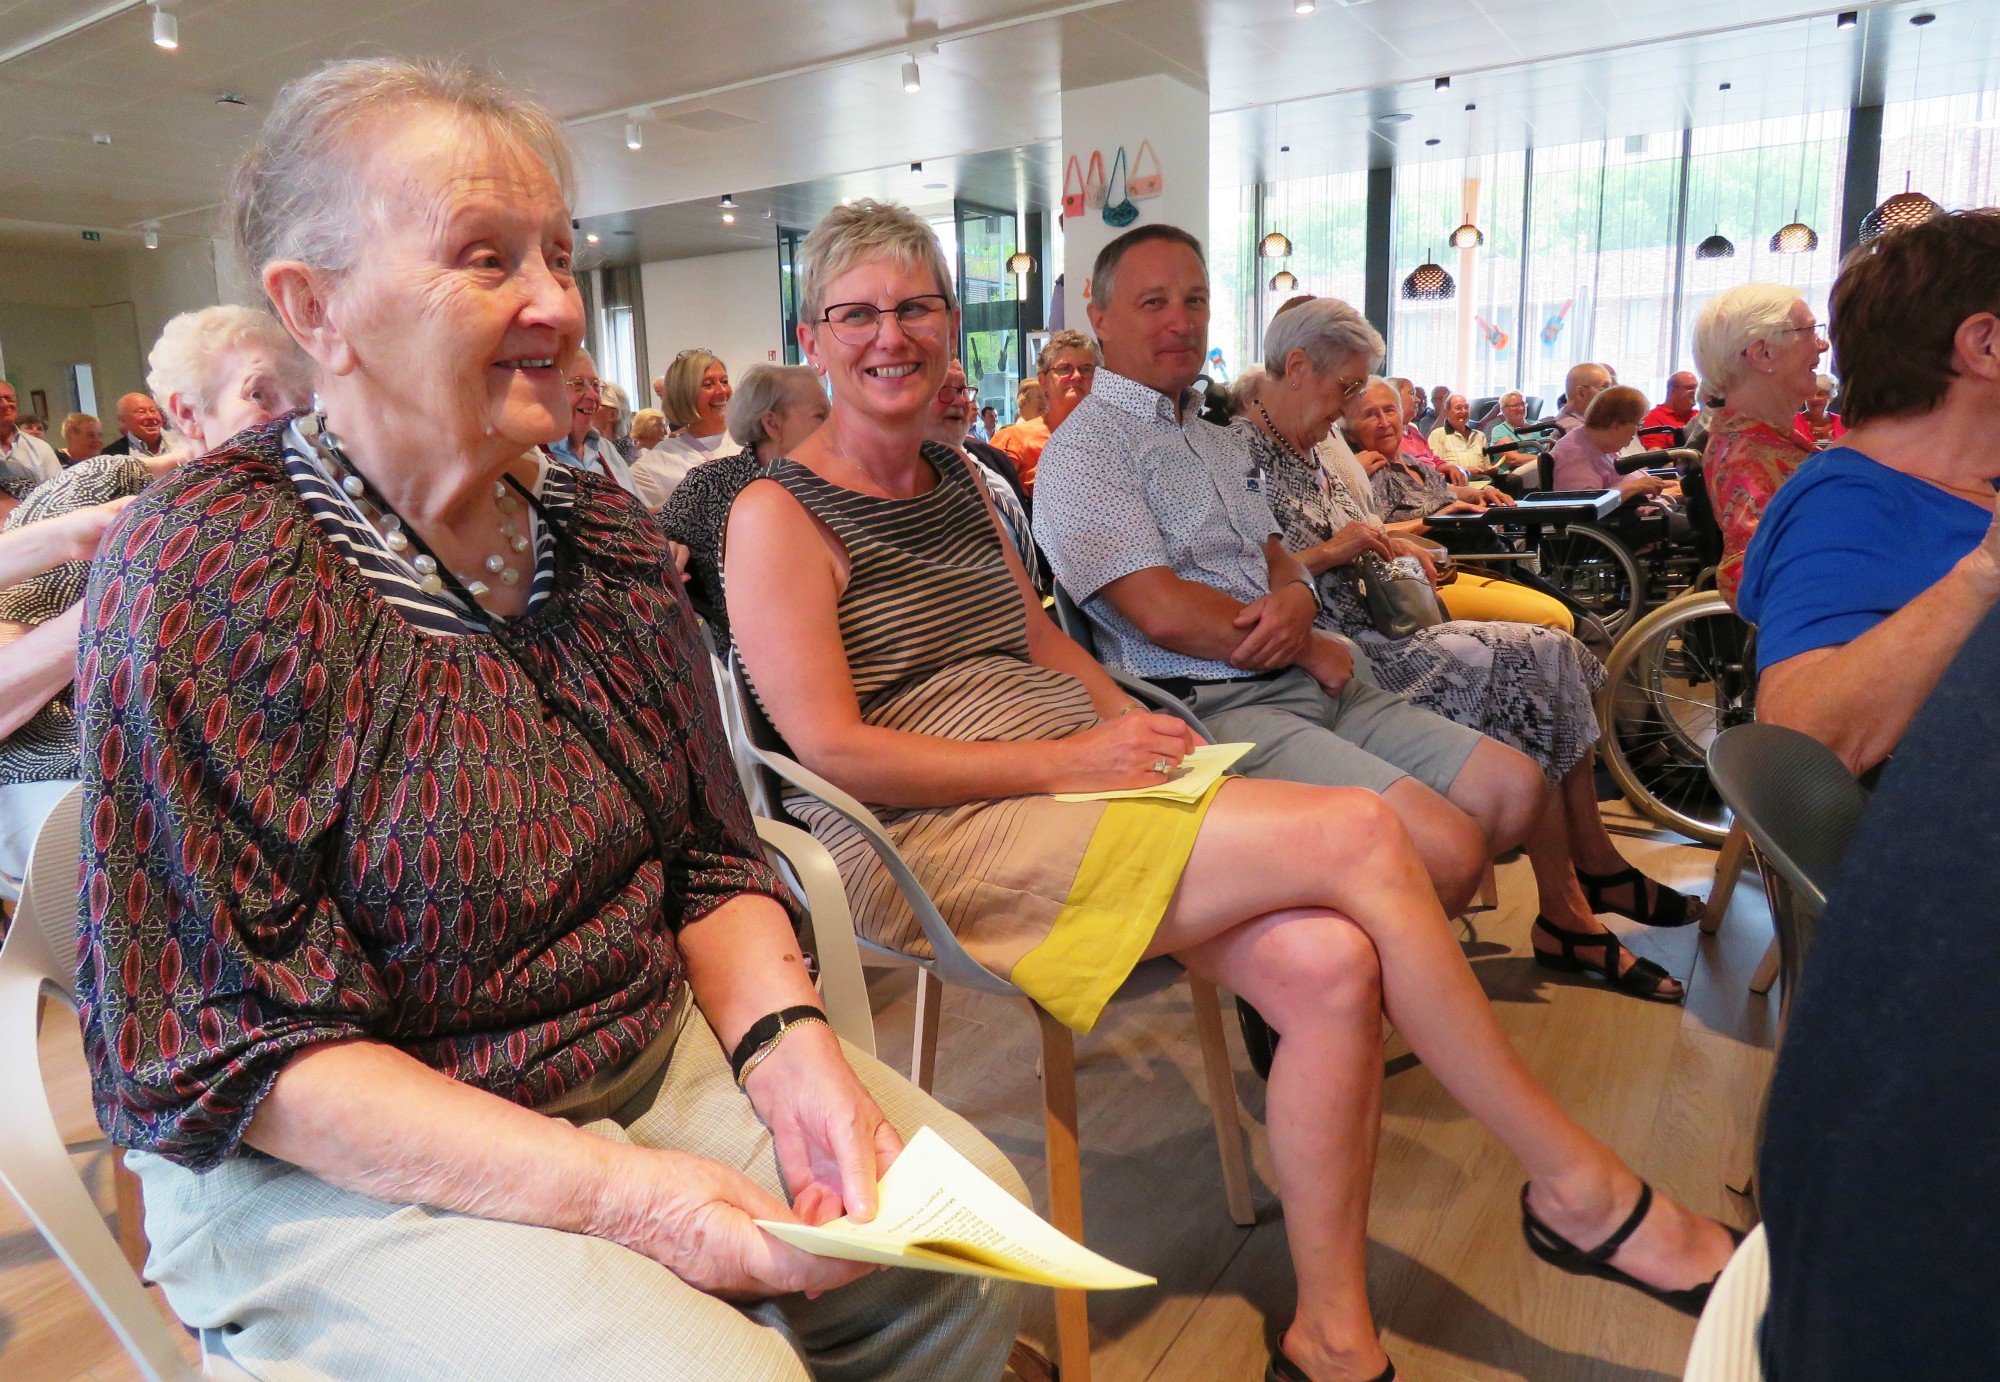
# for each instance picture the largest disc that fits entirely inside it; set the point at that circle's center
(1398, 603)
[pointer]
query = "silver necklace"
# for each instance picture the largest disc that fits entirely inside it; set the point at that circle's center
(389, 525)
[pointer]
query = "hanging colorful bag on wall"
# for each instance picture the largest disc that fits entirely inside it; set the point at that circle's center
(1142, 185)
(1120, 212)
(1093, 180)
(1073, 203)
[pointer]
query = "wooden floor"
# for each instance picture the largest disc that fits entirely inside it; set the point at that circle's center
(1458, 1296)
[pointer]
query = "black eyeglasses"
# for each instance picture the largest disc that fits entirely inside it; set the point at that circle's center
(857, 323)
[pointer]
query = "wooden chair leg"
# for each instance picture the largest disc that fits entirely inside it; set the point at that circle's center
(1767, 970)
(923, 1043)
(1489, 888)
(131, 1213)
(1728, 868)
(1222, 1101)
(1065, 1168)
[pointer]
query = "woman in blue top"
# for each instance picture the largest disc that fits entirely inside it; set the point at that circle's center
(1877, 558)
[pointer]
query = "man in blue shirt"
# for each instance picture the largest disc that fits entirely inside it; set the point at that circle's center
(1156, 524)
(1877, 558)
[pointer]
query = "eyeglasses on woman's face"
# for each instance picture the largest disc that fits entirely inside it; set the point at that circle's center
(1067, 371)
(858, 323)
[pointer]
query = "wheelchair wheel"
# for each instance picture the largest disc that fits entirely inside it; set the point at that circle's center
(1677, 678)
(1594, 569)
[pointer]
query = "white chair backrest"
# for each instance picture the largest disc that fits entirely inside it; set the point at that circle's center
(38, 960)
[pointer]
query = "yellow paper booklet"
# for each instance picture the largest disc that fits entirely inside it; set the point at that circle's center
(1195, 775)
(941, 1213)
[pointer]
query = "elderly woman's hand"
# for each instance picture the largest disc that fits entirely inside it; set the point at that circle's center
(1371, 461)
(1350, 542)
(695, 1218)
(833, 1142)
(1120, 753)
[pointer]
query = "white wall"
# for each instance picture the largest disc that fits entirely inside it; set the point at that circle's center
(726, 303)
(52, 307)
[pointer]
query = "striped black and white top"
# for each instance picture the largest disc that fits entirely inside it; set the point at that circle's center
(346, 526)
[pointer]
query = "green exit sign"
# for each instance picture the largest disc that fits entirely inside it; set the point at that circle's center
(92, 235)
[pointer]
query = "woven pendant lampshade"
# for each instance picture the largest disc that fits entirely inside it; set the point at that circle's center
(1903, 209)
(1716, 246)
(1276, 245)
(1283, 281)
(1020, 262)
(1467, 237)
(1796, 238)
(1429, 282)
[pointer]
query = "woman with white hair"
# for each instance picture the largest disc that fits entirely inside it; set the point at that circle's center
(614, 420)
(432, 972)
(1529, 687)
(1757, 347)
(774, 408)
(696, 400)
(216, 372)
(1819, 427)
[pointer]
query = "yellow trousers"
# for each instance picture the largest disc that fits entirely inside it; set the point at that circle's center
(1484, 597)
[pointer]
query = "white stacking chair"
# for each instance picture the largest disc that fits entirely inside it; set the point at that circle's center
(38, 964)
(1725, 1338)
(760, 746)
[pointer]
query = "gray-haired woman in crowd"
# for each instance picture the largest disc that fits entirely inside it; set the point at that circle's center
(774, 408)
(424, 924)
(1527, 686)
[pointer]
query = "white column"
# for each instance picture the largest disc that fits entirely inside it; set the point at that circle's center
(1173, 117)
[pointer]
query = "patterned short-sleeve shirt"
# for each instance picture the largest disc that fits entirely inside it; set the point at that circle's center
(1128, 482)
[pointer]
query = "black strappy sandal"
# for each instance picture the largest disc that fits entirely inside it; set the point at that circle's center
(1560, 1253)
(1283, 1369)
(1670, 907)
(1643, 979)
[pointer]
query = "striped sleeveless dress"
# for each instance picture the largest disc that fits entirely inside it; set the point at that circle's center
(1060, 897)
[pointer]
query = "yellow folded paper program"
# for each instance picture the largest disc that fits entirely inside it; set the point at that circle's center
(940, 1213)
(1195, 775)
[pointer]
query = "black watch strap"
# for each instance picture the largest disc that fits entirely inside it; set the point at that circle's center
(765, 1030)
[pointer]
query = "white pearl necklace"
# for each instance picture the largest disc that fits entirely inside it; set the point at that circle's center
(390, 526)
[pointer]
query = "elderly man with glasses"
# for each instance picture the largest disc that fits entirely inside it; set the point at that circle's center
(1066, 368)
(585, 448)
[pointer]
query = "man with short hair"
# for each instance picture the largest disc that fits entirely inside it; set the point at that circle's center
(1678, 410)
(950, 411)
(1583, 383)
(1433, 415)
(140, 427)
(25, 459)
(989, 422)
(1065, 369)
(1416, 440)
(1157, 525)
(35, 425)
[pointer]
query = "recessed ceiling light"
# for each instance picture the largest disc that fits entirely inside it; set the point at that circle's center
(591, 238)
(1441, 84)
(729, 218)
(1847, 19)
(728, 202)
(1393, 117)
(1304, 6)
(917, 169)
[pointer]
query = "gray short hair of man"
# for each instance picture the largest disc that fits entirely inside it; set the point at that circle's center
(765, 389)
(1069, 338)
(1327, 330)
(1731, 322)
(191, 345)
(1826, 383)
(295, 194)
(858, 232)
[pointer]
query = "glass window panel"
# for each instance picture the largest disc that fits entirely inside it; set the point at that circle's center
(1233, 283)
(1947, 147)
(1469, 342)
(1745, 180)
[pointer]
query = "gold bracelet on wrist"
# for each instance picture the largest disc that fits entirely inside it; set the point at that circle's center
(763, 1052)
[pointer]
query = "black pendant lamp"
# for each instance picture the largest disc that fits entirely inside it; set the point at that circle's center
(1906, 208)
(1716, 246)
(1429, 282)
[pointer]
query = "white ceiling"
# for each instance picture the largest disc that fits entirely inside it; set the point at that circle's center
(783, 93)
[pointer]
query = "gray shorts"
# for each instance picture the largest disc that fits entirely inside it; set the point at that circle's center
(1364, 737)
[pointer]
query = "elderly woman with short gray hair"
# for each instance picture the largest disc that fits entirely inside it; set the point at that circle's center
(1757, 347)
(773, 409)
(1527, 686)
(430, 968)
